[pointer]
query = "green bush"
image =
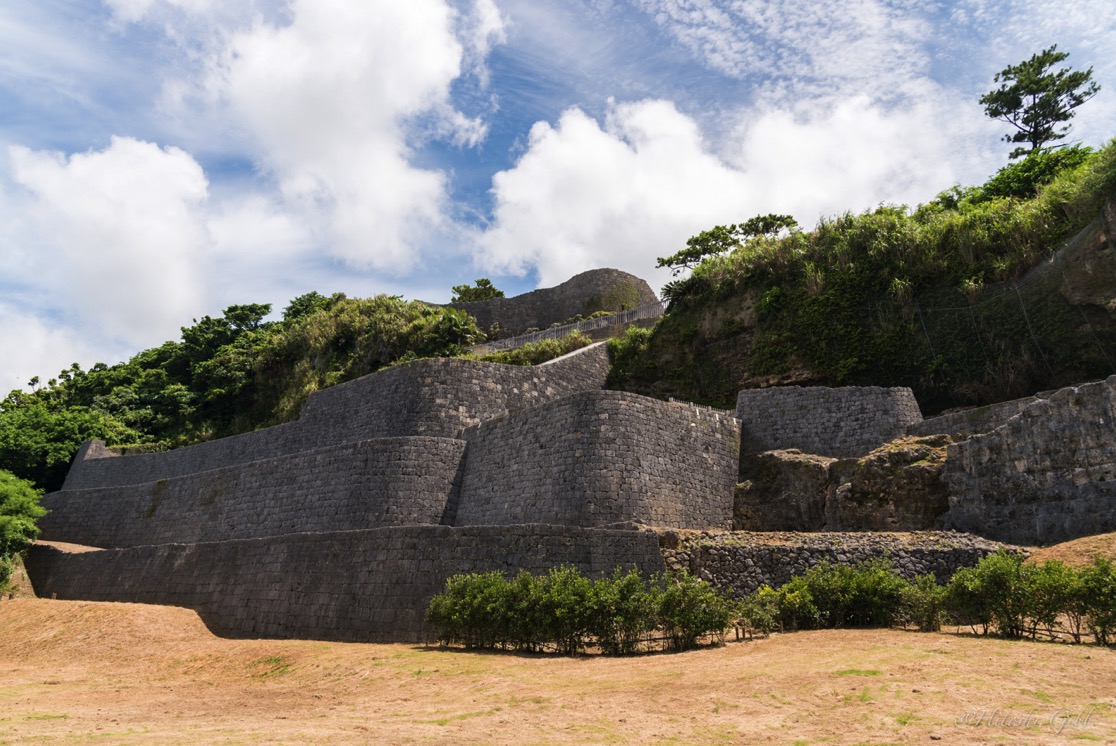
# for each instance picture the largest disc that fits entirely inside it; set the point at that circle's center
(567, 612)
(564, 607)
(534, 353)
(759, 611)
(966, 602)
(19, 510)
(689, 609)
(923, 603)
(1054, 593)
(623, 612)
(472, 610)
(1014, 598)
(831, 595)
(1023, 179)
(1098, 587)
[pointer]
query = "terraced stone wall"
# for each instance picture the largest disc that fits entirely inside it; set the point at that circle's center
(842, 422)
(436, 397)
(599, 458)
(351, 586)
(739, 562)
(383, 482)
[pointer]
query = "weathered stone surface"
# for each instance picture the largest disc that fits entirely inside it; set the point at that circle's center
(437, 397)
(968, 422)
(584, 294)
(782, 491)
(1046, 475)
(739, 562)
(599, 458)
(841, 422)
(354, 585)
(374, 483)
(897, 487)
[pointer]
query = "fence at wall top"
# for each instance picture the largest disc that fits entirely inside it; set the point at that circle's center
(646, 311)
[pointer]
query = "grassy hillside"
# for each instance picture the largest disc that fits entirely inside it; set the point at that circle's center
(951, 299)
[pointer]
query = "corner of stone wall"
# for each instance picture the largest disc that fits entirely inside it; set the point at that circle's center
(89, 451)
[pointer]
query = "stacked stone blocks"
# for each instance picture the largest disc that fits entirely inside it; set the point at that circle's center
(840, 422)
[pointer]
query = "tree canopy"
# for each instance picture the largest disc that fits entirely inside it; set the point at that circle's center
(19, 509)
(225, 375)
(483, 290)
(720, 239)
(1035, 99)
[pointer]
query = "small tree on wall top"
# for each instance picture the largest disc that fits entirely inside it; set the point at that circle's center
(720, 239)
(483, 290)
(1035, 99)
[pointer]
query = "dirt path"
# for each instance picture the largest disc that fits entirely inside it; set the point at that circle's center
(77, 672)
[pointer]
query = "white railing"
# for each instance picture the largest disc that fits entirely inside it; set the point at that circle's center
(647, 311)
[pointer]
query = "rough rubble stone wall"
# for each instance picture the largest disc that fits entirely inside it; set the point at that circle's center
(1045, 475)
(384, 482)
(586, 293)
(843, 422)
(436, 397)
(739, 562)
(599, 458)
(353, 586)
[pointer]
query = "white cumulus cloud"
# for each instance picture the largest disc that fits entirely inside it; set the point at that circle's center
(332, 100)
(634, 189)
(116, 237)
(586, 196)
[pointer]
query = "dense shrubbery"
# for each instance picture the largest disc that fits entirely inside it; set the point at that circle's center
(19, 509)
(534, 353)
(1013, 598)
(567, 612)
(895, 297)
(227, 375)
(1003, 594)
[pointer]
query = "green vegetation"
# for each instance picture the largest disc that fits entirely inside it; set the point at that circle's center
(1035, 100)
(534, 353)
(19, 509)
(932, 298)
(226, 375)
(483, 290)
(1003, 594)
(566, 612)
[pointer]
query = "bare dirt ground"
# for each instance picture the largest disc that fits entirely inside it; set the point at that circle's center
(78, 672)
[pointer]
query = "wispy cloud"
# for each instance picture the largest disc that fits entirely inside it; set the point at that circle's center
(794, 50)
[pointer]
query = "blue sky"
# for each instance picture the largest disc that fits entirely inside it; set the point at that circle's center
(162, 159)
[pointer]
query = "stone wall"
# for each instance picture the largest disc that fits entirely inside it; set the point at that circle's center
(384, 482)
(739, 562)
(584, 294)
(1045, 475)
(843, 422)
(897, 487)
(435, 397)
(599, 458)
(967, 422)
(353, 586)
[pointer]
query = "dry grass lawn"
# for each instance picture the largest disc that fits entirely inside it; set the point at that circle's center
(77, 672)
